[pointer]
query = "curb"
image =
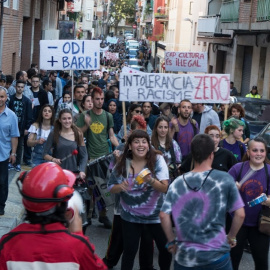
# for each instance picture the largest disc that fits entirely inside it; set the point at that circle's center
(14, 209)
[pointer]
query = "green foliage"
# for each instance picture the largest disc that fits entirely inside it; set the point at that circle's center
(121, 9)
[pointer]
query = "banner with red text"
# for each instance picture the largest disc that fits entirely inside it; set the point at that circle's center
(110, 55)
(164, 87)
(186, 61)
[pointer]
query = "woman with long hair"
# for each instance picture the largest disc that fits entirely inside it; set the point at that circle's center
(252, 179)
(39, 132)
(234, 128)
(134, 109)
(69, 149)
(223, 158)
(140, 202)
(170, 149)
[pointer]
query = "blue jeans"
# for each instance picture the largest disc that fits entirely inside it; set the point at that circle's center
(221, 264)
(3, 183)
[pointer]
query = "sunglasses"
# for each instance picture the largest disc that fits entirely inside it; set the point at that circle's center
(138, 111)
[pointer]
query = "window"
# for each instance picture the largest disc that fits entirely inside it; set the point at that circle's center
(89, 15)
(16, 4)
(7, 3)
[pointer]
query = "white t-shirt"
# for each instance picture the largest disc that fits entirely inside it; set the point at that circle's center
(44, 133)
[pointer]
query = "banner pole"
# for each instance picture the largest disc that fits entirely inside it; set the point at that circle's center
(72, 90)
(124, 118)
(226, 111)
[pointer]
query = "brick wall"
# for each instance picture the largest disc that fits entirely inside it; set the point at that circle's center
(12, 21)
(244, 11)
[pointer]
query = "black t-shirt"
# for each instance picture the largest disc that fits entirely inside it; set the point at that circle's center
(223, 161)
(197, 117)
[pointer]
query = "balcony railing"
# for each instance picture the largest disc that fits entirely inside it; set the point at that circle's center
(208, 25)
(229, 11)
(161, 15)
(263, 10)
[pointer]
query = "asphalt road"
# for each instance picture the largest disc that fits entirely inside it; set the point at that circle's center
(99, 236)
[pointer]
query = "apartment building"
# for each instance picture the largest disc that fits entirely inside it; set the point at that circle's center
(238, 34)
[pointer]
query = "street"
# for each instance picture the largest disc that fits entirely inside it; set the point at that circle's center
(99, 237)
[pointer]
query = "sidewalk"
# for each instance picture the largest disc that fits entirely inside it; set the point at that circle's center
(14, 209)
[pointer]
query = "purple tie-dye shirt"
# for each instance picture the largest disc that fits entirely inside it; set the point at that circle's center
(199, 217)
(141, 203)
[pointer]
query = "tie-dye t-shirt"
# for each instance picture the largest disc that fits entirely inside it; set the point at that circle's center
(141, 203)
(199, 217)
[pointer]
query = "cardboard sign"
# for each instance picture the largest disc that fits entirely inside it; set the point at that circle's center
(131, 70)
(112, 40)
(69, 54)
(162, 87)
(186, 61)
(75, 6)
(112, 56)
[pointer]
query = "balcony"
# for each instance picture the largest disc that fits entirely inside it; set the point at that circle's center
(230, 11)
(162, 14)
(209, 31)
(263, 10)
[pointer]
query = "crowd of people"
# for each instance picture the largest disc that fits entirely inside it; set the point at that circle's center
(191, 155)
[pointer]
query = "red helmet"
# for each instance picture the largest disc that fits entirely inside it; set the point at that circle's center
(45, 186)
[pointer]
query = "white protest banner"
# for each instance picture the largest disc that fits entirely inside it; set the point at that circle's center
(186, 61)
(112, 56)
(112, 40)
(69, 54)
(172, 88)
(131, 70)
(104, 49)
(75, 6)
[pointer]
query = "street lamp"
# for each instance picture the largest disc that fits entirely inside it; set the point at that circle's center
(191, 23)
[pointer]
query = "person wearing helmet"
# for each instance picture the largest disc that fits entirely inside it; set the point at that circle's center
(45, 242)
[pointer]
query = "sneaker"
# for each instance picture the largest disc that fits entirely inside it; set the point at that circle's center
(10, 167)
(18, 168)
(106, 222)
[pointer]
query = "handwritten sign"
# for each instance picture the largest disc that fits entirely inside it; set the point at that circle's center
(69, 54)
(131, 70)
(158, 87)
(186, 61)
(74, 6)
(112, 40)
(112, 56)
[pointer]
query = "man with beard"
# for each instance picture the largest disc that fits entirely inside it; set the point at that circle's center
(183, 128)
(97, 125)
(79, 93)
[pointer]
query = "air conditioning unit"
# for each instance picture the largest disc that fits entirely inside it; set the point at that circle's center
(51, 34)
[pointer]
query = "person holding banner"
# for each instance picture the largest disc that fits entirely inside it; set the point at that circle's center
(134, 109)
(140, 201)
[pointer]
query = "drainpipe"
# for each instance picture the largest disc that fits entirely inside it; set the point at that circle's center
(1, 32)
(250, 15)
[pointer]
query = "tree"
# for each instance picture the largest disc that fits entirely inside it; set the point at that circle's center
(119, 10)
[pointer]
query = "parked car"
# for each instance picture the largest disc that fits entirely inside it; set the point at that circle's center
(265, 134)
(134, 62)
(132, 53)
(257, 113)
